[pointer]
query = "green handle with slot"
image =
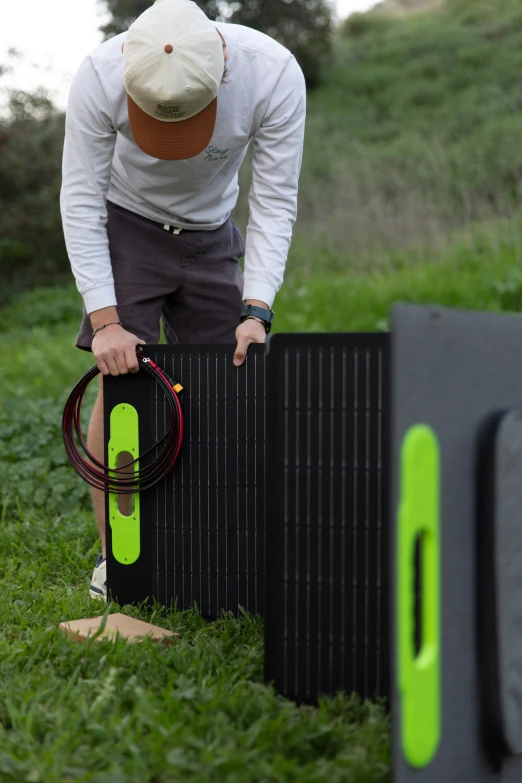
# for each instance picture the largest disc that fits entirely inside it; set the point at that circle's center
(419, 674)
(124, 437)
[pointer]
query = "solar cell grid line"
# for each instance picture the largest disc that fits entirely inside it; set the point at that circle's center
(233, 495)
(309, 547)
(157, 488)
(161, 527)
(383, 591)
(207, 570)
(308, 500)
(165, 506)
(382, 553)
(321, 589)
(361, 521)
(367, 478)
(216, 457)
(294, 458)
(187, 540)
(328, 495)
(236, 493)
(324, 574)
(338, 511)
(169, 595)
(344, 482)
(286, 586)
(256, 487)
(167, 551)
(242, 485)
(327, 501)
(305, 488)
(179, 583)
(241, 478)
(294, 540)
(161, 513)
(252, 543)
(257, 575)
(375, 543)
(199, 477)
(262, 458)
(204, 474)
(245, 566)
(331, 515)
(227, 564)
(355, 514)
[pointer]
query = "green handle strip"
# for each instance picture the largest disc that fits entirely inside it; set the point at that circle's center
(419, 675)
(124, 437)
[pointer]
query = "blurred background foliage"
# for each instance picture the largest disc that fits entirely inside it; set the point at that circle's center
(413, 133)
(303, 26)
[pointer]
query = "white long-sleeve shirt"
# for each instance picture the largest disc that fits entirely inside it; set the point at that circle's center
(263, 101)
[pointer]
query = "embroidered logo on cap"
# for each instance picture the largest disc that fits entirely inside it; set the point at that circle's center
(168, 111)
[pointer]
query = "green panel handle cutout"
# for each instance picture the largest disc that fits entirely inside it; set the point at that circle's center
(124, 437)
(419, 673)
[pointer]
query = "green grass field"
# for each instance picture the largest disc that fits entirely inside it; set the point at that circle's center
(198, 711)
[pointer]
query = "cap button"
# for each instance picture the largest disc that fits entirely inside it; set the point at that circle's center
(169, 48)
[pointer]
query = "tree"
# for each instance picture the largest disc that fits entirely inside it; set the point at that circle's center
(32, 250)
(303, 26)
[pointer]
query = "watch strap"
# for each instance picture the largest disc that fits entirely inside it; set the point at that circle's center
(253, 311)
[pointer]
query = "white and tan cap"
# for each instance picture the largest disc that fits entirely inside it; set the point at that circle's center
(173, 66)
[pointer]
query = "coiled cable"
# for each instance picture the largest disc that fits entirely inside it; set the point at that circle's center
(117, 480)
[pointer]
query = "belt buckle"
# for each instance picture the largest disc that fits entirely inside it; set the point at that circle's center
(172, 229)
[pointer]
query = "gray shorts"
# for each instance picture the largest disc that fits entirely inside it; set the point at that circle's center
(191, 281)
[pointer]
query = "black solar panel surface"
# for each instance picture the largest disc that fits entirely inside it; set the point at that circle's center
(202, 527)
(327, 522)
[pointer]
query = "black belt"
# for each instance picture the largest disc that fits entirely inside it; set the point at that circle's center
(163, 226)
(174, 229)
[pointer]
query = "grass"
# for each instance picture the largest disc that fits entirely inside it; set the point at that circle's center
(199, 711)
(110, 713)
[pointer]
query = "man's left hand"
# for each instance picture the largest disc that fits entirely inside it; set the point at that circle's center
(249, 331)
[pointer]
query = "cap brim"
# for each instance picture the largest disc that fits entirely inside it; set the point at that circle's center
(172, 140)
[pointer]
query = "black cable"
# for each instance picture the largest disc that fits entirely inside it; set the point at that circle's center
(115, 480)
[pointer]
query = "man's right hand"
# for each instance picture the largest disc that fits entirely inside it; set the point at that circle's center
(115, 350)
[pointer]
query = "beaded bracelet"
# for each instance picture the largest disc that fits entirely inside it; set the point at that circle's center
(119, 323)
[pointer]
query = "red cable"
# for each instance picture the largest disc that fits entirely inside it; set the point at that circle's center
(96, 473)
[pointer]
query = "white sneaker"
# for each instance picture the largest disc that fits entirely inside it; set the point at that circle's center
(98, 589)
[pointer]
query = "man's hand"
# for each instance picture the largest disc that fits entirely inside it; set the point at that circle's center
(249, 331)
(115, 350)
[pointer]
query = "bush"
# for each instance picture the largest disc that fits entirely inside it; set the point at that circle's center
(303, 26)
(359, 25)
(34, 470)
(32, 248)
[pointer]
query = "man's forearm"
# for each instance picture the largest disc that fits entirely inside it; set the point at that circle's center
(257, 303)
(106, 315)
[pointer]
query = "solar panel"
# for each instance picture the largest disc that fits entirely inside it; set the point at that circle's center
(201, 535)
(454, 376)
(327, 549)
(292, 510)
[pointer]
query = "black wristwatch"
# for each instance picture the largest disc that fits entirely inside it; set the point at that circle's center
(252, 311)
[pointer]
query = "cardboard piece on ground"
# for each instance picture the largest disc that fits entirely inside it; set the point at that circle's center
(129, 628)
